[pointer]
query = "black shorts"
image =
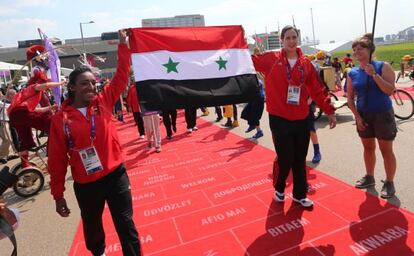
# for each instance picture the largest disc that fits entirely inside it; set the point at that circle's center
(381, 125)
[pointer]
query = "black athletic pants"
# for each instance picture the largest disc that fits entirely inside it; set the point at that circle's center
(190, 117)
(291, 140)
(115, 190)
(169, 118)
(140, 122)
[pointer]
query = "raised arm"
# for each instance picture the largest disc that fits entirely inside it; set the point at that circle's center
(47, 85)
(112, 92)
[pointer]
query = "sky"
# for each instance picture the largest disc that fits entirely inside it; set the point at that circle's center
(333, 19)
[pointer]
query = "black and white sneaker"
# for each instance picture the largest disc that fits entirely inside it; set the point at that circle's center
(388, 189)
(365, 182)
(305, 202)
(279, 197)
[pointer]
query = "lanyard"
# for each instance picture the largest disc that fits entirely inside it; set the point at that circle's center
(289, 72)
(71, 142)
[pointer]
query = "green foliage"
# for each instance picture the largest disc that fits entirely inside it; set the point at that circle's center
(389, 53)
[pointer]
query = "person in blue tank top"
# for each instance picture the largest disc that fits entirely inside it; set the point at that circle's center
(372, 84)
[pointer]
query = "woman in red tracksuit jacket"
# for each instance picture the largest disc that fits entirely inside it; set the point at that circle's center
(290, 80)
(84, 136)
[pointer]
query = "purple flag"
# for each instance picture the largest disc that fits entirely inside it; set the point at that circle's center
(54, 67)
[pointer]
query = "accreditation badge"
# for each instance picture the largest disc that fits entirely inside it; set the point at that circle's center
(90, 160)
(293, 95)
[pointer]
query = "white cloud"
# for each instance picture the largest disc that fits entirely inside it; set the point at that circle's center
(23, 29)
(6, 11)
(33, 3)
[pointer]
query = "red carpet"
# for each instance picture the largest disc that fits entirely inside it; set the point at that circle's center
(210, 193)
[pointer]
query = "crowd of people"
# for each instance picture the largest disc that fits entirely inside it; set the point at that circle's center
(82, 132)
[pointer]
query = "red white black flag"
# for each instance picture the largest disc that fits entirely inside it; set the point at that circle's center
(192, 67)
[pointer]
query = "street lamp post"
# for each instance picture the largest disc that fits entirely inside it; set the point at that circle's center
(365, 17)
(83, 41)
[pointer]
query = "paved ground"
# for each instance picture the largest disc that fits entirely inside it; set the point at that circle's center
(43, 232)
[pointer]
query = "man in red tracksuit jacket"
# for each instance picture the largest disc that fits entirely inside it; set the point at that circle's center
(290, 80)
(84, 136)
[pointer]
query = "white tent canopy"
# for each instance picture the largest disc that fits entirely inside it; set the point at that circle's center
(331, 47)
(11, 66)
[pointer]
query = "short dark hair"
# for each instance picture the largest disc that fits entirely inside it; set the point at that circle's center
(76, 72)
(74, 75)
(365, 41)
(286, 28)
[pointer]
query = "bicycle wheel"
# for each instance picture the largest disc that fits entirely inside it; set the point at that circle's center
(29, 182)
(318, 111)
(403, 104)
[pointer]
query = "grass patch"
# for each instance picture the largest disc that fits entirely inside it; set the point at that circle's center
(388, 53)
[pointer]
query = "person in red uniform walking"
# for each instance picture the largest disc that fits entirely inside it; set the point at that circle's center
(133, 105)
(290, 79)
(24, 113)
(83, 135)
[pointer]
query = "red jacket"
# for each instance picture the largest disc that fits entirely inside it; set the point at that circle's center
(132, 99)
(106, 142)
(273, 66)
(28, 97)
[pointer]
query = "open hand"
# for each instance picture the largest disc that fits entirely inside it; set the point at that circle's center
(332, 121)
(122, 33)
(361, 124)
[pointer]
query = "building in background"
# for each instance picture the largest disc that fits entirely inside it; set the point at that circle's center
(193, 20)
(270, 41)
(102, 47)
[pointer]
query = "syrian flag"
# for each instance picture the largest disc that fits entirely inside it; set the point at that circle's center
(185, 67)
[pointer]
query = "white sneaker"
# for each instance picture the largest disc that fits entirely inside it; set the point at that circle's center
(189, 130)
(279, 197)
(142, 137)
(195, 128)
(158, 149)
(305, 202)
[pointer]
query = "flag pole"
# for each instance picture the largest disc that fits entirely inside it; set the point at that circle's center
(313, 32)
(40, 34)
(373, 27)
(365, 17)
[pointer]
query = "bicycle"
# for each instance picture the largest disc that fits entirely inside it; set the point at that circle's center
(403, 104)
(409, 74)
(30, 180)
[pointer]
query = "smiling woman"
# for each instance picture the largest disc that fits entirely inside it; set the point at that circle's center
(290, 79)
(371, 84)
(84, 136)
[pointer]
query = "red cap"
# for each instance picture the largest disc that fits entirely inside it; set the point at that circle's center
(34, 50)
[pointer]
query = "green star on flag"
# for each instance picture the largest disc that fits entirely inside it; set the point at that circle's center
(171, 65)
(221, 63)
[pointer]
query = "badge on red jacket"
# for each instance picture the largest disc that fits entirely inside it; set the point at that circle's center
(90, 160)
